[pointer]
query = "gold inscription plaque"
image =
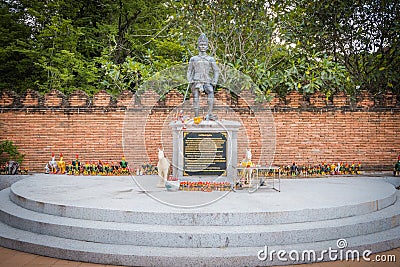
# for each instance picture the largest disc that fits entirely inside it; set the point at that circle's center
(204, 153)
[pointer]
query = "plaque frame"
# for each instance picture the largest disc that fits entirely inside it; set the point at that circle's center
(230, 127)
(195, 160)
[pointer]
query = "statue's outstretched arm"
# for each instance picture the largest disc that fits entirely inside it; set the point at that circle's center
(215, 68)
(190, 72)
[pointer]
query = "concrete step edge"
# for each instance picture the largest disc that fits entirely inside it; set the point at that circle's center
(171, 256)
(195, 236)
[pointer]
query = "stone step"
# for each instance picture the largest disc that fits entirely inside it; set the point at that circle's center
(131, 255)
(196, 236)
(94, 200)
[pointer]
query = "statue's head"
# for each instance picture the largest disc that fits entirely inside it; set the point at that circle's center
(202, 42)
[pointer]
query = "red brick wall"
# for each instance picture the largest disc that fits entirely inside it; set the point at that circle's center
(105, 127)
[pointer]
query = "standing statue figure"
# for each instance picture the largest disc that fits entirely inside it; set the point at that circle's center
(199, 78)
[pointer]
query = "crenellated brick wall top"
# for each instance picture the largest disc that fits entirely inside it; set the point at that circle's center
(125, 99)
(79, 99)
(294, 100)
(55, 98)
(8, 98)
(31, 99)
(102, 99)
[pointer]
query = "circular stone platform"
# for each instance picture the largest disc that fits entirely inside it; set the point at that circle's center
(137, 200)
(128, 221)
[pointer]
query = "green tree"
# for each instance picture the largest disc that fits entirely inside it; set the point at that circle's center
(301, 45)
(17, 69)
(53, 43)
(361, 35)
(67, 69)
(139, 44)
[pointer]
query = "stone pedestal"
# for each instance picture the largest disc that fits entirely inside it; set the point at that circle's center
(206, 151)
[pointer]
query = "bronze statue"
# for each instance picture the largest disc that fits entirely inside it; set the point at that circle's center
(199, 78)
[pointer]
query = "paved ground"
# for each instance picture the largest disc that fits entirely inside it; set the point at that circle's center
(12, 258)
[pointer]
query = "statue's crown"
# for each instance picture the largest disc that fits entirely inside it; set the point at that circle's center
(202, 39)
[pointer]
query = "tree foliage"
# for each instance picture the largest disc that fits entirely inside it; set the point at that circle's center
(363, 36)
(307, 46)
(9, 151)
